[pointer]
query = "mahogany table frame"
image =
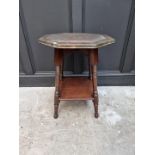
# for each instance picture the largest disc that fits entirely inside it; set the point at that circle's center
(88, 89)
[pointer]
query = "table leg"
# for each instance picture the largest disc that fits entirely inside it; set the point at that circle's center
(57, 92)
(58, 59)
(61, 67)
(95, 93)
(94, 62)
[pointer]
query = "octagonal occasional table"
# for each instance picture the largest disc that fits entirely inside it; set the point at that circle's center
(76, 88)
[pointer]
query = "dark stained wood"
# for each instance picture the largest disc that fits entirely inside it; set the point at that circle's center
(93, 63)
(58, 62)
(95, 93)
(58, 57)
(76, 88)
(93, 56)
(57, 91)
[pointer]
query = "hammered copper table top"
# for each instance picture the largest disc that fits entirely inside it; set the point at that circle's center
(76, 40)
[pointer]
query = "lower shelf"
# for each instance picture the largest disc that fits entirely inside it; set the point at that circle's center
(76, 88)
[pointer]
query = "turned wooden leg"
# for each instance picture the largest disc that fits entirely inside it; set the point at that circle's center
(95, 101)
(61, 73)
(56, 104)
(90, 72)
(95, 93)
(57, 92)
(58, 60)
(61, 70)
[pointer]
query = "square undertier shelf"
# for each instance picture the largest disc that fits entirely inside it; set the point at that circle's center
(76, 88)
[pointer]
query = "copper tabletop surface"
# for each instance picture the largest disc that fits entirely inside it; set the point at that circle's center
(76, 40)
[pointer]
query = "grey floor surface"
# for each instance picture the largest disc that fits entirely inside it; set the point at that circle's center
(76, 131)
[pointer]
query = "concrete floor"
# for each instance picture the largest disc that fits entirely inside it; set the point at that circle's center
(76, 131)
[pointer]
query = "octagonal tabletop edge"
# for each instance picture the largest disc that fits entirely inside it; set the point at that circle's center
(76, 40)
